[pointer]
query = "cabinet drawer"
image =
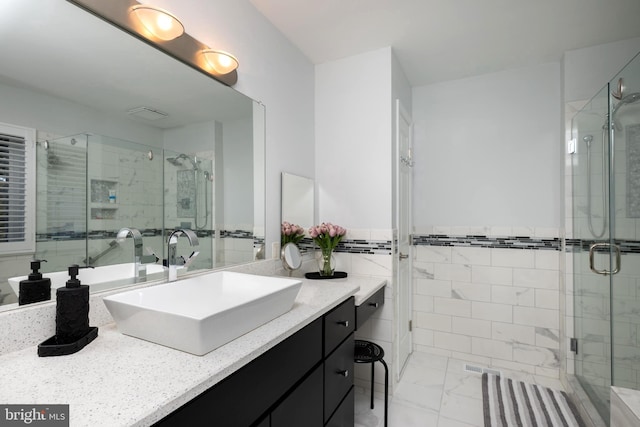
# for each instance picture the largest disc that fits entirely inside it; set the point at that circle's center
(303, 407)
(244, 397)
(338, 376)
(369, 306)
(338, 324)
(345, 414)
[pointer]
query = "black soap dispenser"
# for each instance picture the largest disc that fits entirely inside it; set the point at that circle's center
(72, 311)
(72, 319)
(36, 288)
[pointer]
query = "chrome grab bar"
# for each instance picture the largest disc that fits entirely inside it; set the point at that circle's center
(592, 250)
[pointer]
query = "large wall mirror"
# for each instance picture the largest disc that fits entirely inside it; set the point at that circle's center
(127, 137)
(297, 200)
(297, 208)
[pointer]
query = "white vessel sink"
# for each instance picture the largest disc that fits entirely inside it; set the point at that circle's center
(99, 278)
(199, 314)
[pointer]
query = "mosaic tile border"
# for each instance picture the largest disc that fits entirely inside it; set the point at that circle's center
(371, 247)
(579, 245)
(236, 234)
(355, 246)
(481, 241)
(150, 232)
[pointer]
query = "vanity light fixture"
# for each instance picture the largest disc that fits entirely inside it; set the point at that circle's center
(165, 32)
(158, 22)
(221, 62)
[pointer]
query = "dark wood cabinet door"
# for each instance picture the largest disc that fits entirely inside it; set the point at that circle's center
(368, 307)
(345, 414)
(303, 407)
(338, 324)
(244, 397)
(338, 376)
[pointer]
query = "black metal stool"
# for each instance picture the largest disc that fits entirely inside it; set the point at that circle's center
(368, 352)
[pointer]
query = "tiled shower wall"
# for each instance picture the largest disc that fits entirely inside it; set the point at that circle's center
(489, 295)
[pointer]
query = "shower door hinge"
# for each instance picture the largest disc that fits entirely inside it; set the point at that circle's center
(410, 325)
(573, 345)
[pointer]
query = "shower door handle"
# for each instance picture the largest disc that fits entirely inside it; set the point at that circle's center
(592, 250)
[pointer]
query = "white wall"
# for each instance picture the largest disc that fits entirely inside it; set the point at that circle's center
(60, 117)
(353, 140)
(587, 70)
(272, 71)
(486, 151)
(237, 140)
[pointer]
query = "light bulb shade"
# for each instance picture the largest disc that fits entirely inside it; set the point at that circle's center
(158, 22)
(221, 62)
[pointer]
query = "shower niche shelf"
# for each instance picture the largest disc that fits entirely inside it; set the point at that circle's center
(103, 213)
(104, 199)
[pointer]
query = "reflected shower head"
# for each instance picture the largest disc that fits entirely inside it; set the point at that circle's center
(177, 161)
(628, 99)
(625, 100)
(588, 139)
(174, 161)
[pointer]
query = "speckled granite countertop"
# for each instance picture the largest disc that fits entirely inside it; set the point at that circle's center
(118, 380)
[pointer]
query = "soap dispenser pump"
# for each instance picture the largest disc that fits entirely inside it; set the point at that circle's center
(72, 310)
(35, 288)
(72, 319)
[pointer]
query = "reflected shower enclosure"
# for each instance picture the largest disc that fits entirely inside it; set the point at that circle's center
(194, 190)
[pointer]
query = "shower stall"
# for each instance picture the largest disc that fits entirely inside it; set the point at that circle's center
(193, 183)
(605, 239)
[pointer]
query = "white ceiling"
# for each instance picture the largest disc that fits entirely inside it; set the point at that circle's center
(439, 40)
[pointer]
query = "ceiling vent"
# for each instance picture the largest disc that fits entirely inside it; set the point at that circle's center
(147, 113)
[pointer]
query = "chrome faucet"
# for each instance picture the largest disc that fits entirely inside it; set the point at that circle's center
(172, 248)
(139, 260)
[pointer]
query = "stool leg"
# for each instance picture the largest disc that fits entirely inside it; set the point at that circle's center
(372, 382)
(386, 391)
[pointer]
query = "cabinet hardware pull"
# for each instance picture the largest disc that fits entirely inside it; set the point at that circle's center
(373, 304)
(344, 323)
(344, 373)
(403, 256)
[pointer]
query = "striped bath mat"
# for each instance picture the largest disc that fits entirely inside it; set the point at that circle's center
(509, 403)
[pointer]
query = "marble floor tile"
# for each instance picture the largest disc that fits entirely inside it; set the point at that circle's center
(434, 392)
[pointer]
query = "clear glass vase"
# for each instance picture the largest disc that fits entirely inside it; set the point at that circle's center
(326, 263)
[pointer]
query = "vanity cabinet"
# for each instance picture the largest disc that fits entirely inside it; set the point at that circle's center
(305, 380)
(300, 407)
(345, 414)
(368, 307)
(338, 376)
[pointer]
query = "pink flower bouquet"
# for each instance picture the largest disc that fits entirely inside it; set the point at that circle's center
(326, 236)
(290, 233)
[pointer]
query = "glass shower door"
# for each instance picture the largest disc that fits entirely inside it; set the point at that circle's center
(625, 227)
(590, 237)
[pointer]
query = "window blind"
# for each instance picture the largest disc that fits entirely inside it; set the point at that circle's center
(66, 188)
(13, 188)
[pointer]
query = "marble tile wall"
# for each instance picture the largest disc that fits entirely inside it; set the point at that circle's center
(380, 328)
(492, 305)
(136, 181)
